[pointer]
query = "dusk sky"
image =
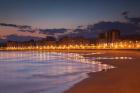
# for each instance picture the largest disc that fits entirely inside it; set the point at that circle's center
(64, 13)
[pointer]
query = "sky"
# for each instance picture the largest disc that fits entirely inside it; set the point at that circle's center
(64, 13)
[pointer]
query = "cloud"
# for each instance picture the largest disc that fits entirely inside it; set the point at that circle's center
(8, 25)
(28, 30)
(125, 28)
(125, 14)
(52, 31)
(20, 28)
(134, 20)
(132, 26)
(92, 31)
(15, 37)
(4, 32)
(16, 26)
(56, 32)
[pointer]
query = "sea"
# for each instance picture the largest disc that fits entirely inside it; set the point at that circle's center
(45, 72)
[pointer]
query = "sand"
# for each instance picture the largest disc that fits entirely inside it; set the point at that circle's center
(125, 78)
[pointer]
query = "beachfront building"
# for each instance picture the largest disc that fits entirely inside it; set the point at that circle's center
(109, 36)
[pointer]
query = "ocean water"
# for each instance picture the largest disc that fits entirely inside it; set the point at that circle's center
(44, 72)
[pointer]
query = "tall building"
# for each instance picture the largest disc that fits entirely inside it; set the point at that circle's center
(112, 35)
(109, 36)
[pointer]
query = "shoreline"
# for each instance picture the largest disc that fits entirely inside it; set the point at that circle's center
(124, 78)
(75, 50)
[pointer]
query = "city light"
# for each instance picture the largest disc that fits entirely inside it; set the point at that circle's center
(115, 45)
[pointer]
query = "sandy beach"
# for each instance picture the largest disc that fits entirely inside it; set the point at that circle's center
(125, 78)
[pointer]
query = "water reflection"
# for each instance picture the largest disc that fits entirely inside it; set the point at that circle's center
(111, 58)
(44, 71)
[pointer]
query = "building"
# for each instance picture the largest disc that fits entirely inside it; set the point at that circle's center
(112, 35)
(109, 36)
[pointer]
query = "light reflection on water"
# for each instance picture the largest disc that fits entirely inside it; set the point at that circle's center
(44, 72)
(112, 58)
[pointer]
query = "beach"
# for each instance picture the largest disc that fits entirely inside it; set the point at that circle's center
(124, 78)
(70, 71)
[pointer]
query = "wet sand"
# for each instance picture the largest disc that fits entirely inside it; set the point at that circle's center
(125, 78)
